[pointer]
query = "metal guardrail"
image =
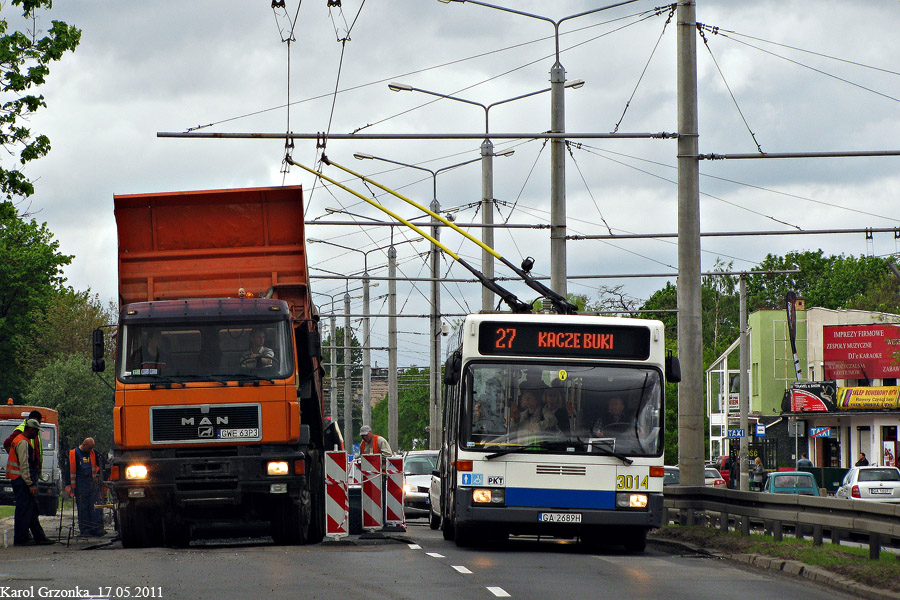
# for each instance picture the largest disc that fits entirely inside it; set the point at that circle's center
(868, 522)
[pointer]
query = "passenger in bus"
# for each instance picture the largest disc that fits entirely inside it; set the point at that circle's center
(533, 380)
(554, 400)
(615, 421)
(534, 417)
(489, 408)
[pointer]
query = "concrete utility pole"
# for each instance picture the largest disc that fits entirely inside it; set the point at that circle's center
(348, 377)
(332, 369)
(434, 381)
(393, 400)
(744, 365)
(690, 341)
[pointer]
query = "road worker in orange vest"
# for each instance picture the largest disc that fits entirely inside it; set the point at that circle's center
(373, 444)
(84, 484)
(21, 470)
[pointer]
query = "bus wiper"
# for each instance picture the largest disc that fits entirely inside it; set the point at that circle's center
(613, 453)
(505, 451)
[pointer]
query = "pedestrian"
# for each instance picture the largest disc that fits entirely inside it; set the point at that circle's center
(21, 470)
(863, 461)
(734, 472)
(804, 462)
(373, 444)
(84, 485)
(35, 443)
(759, 474)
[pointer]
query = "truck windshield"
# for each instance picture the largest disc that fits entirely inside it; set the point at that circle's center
(568, 408)
(204, 352)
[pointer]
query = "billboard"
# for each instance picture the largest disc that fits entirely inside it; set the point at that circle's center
(810, 396)
(861, 351)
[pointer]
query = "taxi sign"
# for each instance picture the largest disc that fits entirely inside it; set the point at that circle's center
(736, 433)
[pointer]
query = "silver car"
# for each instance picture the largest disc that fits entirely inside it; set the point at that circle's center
(874, 484)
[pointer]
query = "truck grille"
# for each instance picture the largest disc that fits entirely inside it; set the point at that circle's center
(205, 424)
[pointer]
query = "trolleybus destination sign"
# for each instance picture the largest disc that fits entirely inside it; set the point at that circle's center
(548, 339)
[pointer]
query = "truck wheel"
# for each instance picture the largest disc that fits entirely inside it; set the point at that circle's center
(317, 489)
(139, 528)
(290, 524)
(176, 534)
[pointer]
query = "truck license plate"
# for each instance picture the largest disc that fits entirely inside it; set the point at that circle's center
(559, 517)
(239, 433)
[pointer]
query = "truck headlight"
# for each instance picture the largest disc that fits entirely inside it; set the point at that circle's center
(136, 472)
(277, 467)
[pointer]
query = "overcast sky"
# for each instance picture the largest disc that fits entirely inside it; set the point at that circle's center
(801, 75)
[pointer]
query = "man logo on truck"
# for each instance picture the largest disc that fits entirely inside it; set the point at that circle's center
(205, 432)
(204, 421)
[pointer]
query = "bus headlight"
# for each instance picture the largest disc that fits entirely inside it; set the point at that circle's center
(627, 500)
(136, 472)
(488, 496)
(277, 467)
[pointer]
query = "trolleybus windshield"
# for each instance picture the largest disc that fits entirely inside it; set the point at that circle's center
(562, 408)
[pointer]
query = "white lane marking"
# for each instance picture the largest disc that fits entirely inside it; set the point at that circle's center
(435, 555)
(415, 547)
(462, 569)
(499, 592)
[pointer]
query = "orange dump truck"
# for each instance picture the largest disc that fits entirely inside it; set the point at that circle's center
(219, 422)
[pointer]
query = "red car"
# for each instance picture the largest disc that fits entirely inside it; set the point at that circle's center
(719, 465)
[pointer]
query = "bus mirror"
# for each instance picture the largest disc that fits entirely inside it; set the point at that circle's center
(452, 369)
(673, 369)
(97, 364)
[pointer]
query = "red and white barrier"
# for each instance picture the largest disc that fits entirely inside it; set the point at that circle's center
(393, 503)
(373, 513)
(336, 498)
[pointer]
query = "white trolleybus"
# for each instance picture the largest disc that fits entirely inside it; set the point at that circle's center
(553, 425)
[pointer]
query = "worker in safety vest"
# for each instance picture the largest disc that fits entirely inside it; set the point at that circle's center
(35, 443)
(84, 484)
(373, 444)
(21, 470)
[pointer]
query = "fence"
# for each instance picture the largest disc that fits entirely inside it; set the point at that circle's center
(837, 518)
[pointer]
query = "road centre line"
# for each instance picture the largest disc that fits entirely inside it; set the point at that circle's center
(435, 555)
(414, 547)
(499, 592)
(462, 569)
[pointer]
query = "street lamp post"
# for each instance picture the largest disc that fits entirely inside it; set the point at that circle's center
(366, 341)
(487, 174)
(557, 146)
(435, 333)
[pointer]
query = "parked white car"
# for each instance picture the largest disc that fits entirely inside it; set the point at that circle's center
(874, 484)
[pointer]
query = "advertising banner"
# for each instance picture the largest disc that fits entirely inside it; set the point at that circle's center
(868, 398)
(861, 351)
(811, 396)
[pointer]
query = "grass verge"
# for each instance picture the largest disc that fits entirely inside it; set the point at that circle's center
(848, 561)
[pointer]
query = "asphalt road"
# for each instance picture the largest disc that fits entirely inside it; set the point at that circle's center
(417, 565)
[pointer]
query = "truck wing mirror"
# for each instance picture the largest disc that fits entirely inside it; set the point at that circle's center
(98, 364)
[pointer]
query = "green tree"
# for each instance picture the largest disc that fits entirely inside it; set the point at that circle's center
(824, 281)
(412, 410)
(30, 276)
(66, 327)
(24, 65)
(84, 402)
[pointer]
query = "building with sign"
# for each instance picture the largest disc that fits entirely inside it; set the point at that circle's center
(846, 399)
